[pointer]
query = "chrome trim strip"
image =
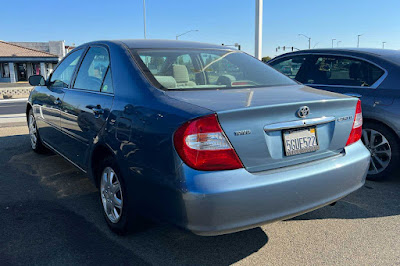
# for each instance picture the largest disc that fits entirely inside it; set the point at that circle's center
(62, 155)
(299, 123)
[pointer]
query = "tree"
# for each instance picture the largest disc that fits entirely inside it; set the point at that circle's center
(265, 59)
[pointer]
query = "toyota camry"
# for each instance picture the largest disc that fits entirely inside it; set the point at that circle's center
(200, 135)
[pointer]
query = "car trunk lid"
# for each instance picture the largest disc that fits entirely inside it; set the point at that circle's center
(255, 121)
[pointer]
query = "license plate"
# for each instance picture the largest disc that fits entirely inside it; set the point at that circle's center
(297, 141)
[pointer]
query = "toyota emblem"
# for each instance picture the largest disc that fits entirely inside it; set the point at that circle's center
(303, 112)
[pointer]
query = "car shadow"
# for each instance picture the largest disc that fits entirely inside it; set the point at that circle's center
(51, 211)
(50, 214)
(374, 199)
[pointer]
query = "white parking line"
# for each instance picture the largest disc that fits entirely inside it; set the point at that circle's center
(13, 100)
(12, 118)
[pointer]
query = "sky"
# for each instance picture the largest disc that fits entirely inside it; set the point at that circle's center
(217, 21)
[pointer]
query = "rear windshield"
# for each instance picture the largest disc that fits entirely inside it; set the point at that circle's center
(182, 69)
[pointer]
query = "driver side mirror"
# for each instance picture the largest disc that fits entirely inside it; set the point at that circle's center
(37, 80)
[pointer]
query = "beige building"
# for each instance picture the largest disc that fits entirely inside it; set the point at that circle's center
(17, 62)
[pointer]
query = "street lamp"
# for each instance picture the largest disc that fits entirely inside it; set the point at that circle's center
(358, 40)
(309, 40)
(383, 45)
(332, 42)
(337, 44)
(185, 33)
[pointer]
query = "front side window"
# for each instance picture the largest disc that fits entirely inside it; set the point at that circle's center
(337, 70)
(61, 77)
(206, 69)
(290, 67)
(93, 69)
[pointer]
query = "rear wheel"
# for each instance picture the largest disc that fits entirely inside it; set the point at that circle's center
(36, 142)
(384, 148)
(119, 215)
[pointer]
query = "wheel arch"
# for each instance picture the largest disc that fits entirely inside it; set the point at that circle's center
(99, 152)
(372, 120)
(28, 108)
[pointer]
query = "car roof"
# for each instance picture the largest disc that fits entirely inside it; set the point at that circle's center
(388, 54)
(169, 44)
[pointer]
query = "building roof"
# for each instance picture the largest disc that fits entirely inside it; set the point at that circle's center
(13, 50)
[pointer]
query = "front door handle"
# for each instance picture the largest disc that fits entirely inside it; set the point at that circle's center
(352, 94)
(57, 102)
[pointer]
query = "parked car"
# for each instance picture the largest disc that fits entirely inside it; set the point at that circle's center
(373, 75)
(209, 141)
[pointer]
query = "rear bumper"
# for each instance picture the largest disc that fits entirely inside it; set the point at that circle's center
(228, 201)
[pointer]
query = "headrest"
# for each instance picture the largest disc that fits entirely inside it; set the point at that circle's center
(166, 81)
(180, 73)
(355, 71)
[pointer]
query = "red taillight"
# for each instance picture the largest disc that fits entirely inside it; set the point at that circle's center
(356, 131)
(202, 145)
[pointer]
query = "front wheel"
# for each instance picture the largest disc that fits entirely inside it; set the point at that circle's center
(384, 148)
(36, 142)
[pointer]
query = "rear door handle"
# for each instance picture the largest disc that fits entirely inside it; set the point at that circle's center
(98, 111)
(352, 94)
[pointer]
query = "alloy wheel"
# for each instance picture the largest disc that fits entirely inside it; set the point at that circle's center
(33, 131)
(111, 195)
(379, 147)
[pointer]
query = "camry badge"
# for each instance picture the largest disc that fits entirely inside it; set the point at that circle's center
(303, 112)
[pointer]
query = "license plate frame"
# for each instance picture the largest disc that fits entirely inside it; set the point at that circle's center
(297, 141)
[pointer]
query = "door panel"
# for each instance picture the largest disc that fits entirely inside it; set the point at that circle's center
(81, 123)
(87, 105)
(50, 99)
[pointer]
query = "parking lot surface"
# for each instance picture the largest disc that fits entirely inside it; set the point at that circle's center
(50, 214)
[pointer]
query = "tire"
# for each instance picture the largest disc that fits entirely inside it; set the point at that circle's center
(384, 150)
(121, 218)
(36, 142)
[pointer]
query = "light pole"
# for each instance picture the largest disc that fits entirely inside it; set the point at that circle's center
(383, 45)
(337, 44)
(144, 17)
(258, 30)
(332, 42)
(358, 40)
(177, 36)
(309, 40)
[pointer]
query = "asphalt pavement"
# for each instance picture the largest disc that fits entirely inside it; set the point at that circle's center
(12, 106)
(12, 112)
(50, 214)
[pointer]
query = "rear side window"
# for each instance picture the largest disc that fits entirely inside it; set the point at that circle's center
(290, 67)
(107, 86)
(61, 77)
(93, 69)
(186, 69)
(337, 70)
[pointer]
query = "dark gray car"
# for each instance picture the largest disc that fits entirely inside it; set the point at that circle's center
(373, 75)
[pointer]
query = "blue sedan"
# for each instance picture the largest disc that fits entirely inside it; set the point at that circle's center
(203, 136)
